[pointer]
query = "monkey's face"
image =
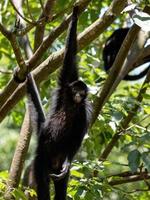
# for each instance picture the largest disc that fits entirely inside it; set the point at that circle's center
(78, 95)
(79, 91)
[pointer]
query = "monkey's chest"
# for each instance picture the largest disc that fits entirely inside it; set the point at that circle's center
(64, 131)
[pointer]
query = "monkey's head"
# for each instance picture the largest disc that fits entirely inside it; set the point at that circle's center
(78, 91)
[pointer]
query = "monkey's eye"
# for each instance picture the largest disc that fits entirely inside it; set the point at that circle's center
(74, 91)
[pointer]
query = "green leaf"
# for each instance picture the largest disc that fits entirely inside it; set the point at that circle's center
(19, 194)
(147, 110)
(146, 96)
(134, 160)
(146, 159)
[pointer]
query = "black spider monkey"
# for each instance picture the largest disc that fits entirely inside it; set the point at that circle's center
(111, 49)
(60, 134)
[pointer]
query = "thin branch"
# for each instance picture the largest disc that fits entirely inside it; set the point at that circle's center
(25, 19)
(61, 13)
(17, 52)
(29, 11)
(127, 174)
(129, 180)
(23, 40)
(23, 31)
(42, 6)
(31, 23)
(39, 32)
(138, 190)
(127, 120)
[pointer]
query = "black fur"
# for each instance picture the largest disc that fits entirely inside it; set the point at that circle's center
(35, 102)
(61, 134)
(111, 49)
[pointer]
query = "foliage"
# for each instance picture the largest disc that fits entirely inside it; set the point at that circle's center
(90, 177)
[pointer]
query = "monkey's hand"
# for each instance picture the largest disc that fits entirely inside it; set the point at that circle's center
(63, 172)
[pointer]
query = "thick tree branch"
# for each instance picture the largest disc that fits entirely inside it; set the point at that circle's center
(12, 85)
(19, 156)
(4, 31)
(18, 54)
(133, 56)
(114, 72)
(39, 32)
(25, 134)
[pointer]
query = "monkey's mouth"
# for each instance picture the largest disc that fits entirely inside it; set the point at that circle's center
(77, 98)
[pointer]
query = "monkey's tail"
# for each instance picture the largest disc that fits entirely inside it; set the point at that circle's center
(34, 102)
(135, 77)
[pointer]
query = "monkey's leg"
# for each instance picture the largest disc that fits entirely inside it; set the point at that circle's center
(42, 179)
(61, 188)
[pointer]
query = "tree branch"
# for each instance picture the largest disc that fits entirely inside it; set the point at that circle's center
(23, 40)
(19, 156)
(129, 179)
(4, 31)
(25, 134)
(114, 72)
(19, 13)
(124, 124)
(39, 32)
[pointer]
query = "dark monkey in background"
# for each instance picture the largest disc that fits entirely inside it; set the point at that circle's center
(111, 50)
(61, 133)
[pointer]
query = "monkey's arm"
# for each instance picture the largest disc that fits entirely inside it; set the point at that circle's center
(69, 72)
(34, 102)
